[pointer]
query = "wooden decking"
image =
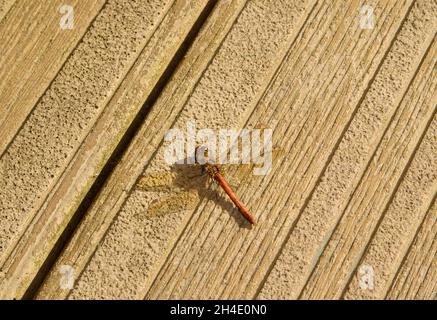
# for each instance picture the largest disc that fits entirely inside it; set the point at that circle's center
(348, 210)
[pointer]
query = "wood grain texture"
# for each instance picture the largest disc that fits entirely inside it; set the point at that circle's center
(416, 276)
(375, 189)
(166, 109)
(344, 171)
(400, 223)
(348, 209)
(33, 48)
(274, 30)
(219, 258)
(5, 6)
(76, 162)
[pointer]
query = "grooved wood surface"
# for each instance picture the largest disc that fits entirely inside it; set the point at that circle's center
(90, 208)
(33, 48)
(5, 6)
(415, 277)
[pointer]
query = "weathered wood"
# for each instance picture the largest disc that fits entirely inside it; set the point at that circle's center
(5, 6)
(78, 122)
(401, 221)
(83, 117)
(33, 48)
(351, 158)
(100, 215)
(262, 32)
(308, 105)
(375, 190)
(416, 277)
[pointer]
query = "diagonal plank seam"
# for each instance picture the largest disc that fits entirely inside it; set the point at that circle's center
(87, 203)
(59, 178)
(2, 152)
(186, 68)
(404, 172)
(201, 200)
(371, 159)
(120, 149)
(262, 95)
(432, 204)
(342, 159)
(396, 261)
(152, 156)
(331, 155)
(4, 14)
(300, 131)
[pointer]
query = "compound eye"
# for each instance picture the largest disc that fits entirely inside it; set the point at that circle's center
(201, 155)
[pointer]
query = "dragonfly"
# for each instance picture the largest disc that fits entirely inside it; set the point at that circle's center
(215, 172)
(186, 184)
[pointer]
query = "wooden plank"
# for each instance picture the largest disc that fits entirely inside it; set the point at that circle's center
(416, 277)
(428, 286)
(352, 186)
(33, 48)
(133, 248)
(99, 85)
(219, 258)
(5, 6)
(320, 216)
(427, 289)
(166, 109)
(373, 193)
(401, 221)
